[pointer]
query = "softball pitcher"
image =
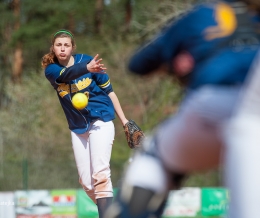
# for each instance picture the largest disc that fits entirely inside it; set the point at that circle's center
(92, 128)
(218, 42)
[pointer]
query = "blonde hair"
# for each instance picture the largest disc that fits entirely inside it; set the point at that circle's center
(50, 57)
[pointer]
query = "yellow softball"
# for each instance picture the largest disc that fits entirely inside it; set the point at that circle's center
(79, 101)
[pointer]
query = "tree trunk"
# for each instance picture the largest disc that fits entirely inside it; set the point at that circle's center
(71, 22)
(17, 66)
(128, 14)
(97, 19)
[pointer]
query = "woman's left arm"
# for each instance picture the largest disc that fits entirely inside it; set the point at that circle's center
(118, 108)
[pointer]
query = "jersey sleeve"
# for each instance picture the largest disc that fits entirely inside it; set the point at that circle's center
(57, 74)
(103, 81)
(73, 72)
(161, 48)
(52, 72)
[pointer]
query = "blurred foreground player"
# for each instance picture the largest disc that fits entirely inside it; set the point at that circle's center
(243, 149)
(210, 50)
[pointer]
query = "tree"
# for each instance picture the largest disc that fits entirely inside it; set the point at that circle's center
(129, 12)
(98, 16)
(18, 52)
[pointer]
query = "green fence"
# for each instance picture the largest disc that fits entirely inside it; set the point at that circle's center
(74, 203)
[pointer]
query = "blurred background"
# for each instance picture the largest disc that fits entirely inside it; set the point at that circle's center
(35, 144)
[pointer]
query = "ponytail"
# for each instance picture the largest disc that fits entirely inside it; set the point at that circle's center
(49, 58)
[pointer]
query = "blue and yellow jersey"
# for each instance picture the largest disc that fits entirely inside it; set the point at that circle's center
(69, 81)
(210, 33)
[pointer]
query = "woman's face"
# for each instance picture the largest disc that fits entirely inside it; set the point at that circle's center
(63, 48)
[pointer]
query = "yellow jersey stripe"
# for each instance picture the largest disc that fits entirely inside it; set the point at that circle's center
(105, 84)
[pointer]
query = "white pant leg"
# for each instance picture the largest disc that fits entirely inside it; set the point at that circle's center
(192, 140)
(243, 150)
(81, 149)
(92, 152)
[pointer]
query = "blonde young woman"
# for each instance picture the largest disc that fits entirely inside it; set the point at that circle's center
(92, 128)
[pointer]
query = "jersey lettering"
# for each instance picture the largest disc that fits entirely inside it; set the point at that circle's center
(63, 93)
(65, 89)
(82, 84)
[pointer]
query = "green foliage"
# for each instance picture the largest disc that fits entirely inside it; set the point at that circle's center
(35, 129)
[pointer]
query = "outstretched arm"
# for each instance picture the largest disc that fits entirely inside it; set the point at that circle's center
(118, 108)
(77, 70)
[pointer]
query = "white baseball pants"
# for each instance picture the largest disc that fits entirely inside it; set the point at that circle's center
(92, 151)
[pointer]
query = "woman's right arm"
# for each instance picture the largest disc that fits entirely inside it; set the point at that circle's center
(93, 66)
(57, 74)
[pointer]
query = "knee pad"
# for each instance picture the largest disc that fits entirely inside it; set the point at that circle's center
(150, 148)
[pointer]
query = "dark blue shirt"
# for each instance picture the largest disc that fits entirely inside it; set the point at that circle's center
(202, 32)
(69, 81)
